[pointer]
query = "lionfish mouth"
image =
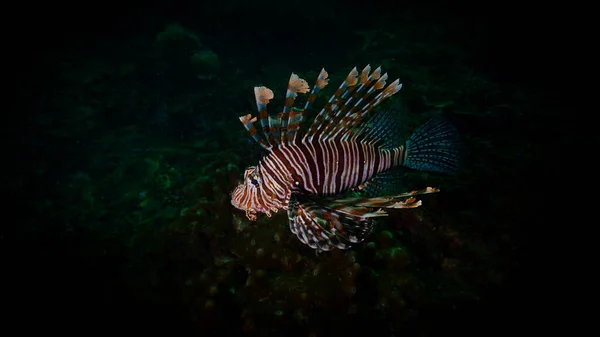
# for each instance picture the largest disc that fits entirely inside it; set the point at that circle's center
(251, 214)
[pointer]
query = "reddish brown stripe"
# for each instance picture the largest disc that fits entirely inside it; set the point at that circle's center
(341, 158)
(362, 158)
(319, 165)
(289, 101)
(277, 176)
(311, 175)
(376, 161)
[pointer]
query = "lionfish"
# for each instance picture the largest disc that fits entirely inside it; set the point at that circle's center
(307, 171)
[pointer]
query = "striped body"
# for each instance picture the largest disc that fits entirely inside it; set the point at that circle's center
(318, 167)
(328, 167)
(306, 169)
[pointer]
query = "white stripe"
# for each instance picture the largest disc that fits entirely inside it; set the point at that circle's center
(298, 160)
(372, 163)
(345, 172)
(313, 156)
(354, 170)
(336, 168)
(326, 164)
(270, 181)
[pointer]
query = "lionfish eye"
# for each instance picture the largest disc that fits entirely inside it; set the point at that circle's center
(254, 182)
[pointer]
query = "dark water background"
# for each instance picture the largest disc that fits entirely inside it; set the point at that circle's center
(124, 143)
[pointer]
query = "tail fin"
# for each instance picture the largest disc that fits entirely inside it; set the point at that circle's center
(434, 146)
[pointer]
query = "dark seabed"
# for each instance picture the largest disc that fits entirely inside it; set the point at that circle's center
(124, 145)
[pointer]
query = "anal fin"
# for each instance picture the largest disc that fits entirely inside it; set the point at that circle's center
(390, 182)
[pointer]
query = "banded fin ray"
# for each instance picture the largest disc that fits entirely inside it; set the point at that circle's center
(325, 116)
(355, 97)
(345, 109)
(248, 122)
(327, 223)
(321, 227)
(282, 128)
(348, 119)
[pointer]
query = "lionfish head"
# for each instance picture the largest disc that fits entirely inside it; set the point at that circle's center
(245, 197)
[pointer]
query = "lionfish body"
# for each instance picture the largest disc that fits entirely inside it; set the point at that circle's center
(305, 172)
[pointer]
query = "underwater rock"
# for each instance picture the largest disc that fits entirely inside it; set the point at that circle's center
(205, 64)
(175, 35)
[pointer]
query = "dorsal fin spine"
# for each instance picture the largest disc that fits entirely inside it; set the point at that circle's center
(343, 112)
(248, 121)
(263, 95)
(326, 114)
(352, 104)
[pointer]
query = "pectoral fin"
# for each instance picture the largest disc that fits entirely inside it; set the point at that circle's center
(327, 223)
